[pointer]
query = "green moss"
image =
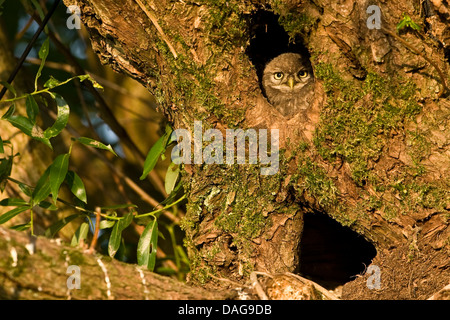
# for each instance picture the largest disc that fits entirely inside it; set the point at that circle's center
(226, 30)
(317, 183)
(358, 119)
(74, 257)
(296, 24)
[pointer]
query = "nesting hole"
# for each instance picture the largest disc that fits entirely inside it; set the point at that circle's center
(332, 254)
(269, 39)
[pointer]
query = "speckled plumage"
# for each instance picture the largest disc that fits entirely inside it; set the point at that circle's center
(291, 93)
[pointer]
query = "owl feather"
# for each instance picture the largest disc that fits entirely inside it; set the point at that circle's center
(288, 83)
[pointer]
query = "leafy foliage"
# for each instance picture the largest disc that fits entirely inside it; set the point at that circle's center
(407, 22)
(59, 174)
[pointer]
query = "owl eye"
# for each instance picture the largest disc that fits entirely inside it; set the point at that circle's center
(278, 75)
(302, 74)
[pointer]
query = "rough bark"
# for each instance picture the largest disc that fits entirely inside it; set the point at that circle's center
(37, 268)
(372, 154)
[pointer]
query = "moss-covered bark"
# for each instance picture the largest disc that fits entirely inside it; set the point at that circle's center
(36, 269)
(372, 153)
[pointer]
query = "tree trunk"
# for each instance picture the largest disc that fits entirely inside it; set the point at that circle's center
(372, 152)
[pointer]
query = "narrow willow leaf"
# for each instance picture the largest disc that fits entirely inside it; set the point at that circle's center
(415, 26)
(32, 108)
(48, 205)
(25, 189)
(29, 128)
(105, 224)
(155, 152)
(24, 124)
(171, 177)
(5, 170)
(9, 87)
(21, 227)
(172, 195)
(2, 149)
(58, 172)
(61, 119)
(95, 144)
(12, 213)
(13, 202)
(42, 189)
(76, 186)
(58, 225)
(80, 234)
(43, 53)
(147, 246)
(116, 234)
(401, 25)
(9, 112)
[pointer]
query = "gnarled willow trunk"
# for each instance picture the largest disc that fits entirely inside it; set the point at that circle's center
(372, 152)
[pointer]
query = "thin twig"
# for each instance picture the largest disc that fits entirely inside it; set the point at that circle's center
(318, 287)
(156, 24)
(137, 189)
(105, 111)
(257, 286)
(97, 228)
(29, 47)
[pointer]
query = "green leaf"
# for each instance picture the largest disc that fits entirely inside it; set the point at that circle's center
(172, 195)
(415, 26)
(48, 205)
(5, 169)
(58, 225)
(105, 224)
(52, 83)
(116, 234)
(401, 24)
(42, 189)
(147, 246)
(61, 119)
(58, 172)
(21, 227)
(13, 202)
(95, 84)
(1, 6)
(80, 234)
(76, 186)
(96, 144)
(32, 108)
(9, 112)
(29, 128)
(25, 189)
(2, 149)
(12, 213)
(9, 87)
(43, 53)
(171, 177)
(155, 152)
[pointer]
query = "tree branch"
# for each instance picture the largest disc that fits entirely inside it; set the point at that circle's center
(36, 268)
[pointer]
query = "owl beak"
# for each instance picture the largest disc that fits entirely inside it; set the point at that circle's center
(291, 82)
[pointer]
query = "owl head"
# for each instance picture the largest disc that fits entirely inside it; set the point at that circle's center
(285, 79)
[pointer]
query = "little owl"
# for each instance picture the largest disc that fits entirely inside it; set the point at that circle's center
(288, 83)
